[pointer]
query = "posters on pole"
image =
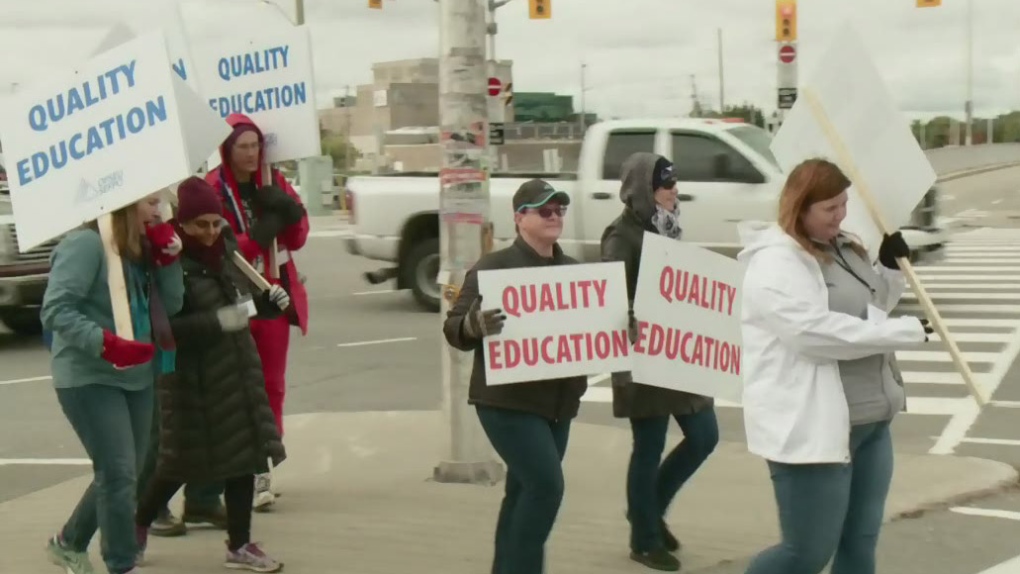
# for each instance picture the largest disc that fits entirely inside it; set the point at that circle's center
(100, 137)
(877, 136)
(269, 78)
(562, 321)
(687, 304)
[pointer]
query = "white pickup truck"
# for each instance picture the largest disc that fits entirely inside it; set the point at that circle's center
(726, 172)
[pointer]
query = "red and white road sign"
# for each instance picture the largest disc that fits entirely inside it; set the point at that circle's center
(495, 87)
(787, 54)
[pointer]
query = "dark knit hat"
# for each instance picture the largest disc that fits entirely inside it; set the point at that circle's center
(228, 144)
(195, 198)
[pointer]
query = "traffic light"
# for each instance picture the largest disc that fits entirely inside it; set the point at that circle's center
(928, 3)
(376, 4)
(541, 9)
(786, 20)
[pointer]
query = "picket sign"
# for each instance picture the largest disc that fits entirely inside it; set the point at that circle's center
(562, 321)
(270, 79)
(845, 112)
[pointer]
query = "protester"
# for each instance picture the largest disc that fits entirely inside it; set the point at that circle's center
(216, 422)
(819, 391)
(104, 382)
(528, 423)
(649, 195)
(259, 214)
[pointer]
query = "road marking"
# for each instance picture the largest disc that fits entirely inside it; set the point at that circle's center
(994, 441)
(970, 213)
(971, 322)
(329, 233)
(1013, 309)
(996, 280)
(967, 296)
(945, 357)
(936, 378)
(972, 286)
(977, 337)
(986, 512)
(28, 380)
(1011, 566)
(1005, 404)
(965, 261)
(996, 201)
(966, 269)
(376, 292)
(45, 462)
(377, 342)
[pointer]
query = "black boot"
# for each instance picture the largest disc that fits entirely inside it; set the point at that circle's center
(668, 540)
(658, 559)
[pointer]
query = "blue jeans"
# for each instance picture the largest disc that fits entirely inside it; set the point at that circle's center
(113, 425)
(651, 486)
(827, 509)
(532, 448)
(202, 496)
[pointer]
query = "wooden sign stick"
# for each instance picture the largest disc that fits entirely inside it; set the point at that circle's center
(250, 272)
(848, 163)
(272, 269)
(115, 279)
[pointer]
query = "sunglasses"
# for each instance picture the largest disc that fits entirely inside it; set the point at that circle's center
(547, 211)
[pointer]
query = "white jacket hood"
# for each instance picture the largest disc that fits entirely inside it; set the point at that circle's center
(758, 235)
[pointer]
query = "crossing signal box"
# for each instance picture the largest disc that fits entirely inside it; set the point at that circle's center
(786, 20)
(540, 9)
(377, 4)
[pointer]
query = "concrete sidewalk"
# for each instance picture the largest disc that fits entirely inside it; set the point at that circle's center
(358, 499)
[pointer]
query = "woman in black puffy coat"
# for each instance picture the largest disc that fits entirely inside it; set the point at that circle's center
(215, 421)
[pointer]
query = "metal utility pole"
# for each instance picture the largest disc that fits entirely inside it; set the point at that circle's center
(299, 12)
(464, 217)
(491, 29)
(722, 76)
(968, 108)
(581, 117)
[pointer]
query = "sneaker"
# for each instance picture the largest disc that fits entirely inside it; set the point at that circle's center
(166, 525)
(658, 559)
(251, 557)
(668, 540)
(72, 562)
(264, 497)
(216, 516)
(142, 538)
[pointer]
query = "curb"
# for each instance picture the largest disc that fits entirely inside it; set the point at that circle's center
(975, 171)
(1010, 480)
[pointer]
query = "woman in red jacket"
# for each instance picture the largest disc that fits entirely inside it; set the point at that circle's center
(259, 214)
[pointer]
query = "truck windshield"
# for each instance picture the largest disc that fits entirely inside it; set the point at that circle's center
(756, 139)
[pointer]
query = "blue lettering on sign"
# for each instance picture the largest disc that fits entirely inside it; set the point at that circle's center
(178, 67)
(257, 62)
(90, 191)
(79, 146)
(80, 98)
(276, 97)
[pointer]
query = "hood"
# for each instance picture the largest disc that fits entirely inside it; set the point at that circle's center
(234, 120)
(636, 184)
(758, 235)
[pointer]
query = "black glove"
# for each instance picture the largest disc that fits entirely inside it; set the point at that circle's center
(632, 332)
(479, 324)
(266, 228)
(928, 329)
(892, 248)
(272, 198)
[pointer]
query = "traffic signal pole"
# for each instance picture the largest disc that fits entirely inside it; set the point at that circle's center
(463, 220)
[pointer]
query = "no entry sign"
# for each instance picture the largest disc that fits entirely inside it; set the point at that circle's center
(787, 54)
(494, 86)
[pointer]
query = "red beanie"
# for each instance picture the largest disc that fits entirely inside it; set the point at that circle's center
(228, 144)
(195, 198)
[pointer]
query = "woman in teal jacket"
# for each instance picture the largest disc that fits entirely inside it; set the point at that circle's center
(104, 382)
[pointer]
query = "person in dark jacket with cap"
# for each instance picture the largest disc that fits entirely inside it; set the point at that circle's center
(216, 423)
(649, 195)
(527, 423)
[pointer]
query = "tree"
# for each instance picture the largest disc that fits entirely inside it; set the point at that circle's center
(343, 153)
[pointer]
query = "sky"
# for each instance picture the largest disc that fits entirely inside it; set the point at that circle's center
(639, 55)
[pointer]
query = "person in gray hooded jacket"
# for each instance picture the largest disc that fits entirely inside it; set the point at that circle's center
(649, 195)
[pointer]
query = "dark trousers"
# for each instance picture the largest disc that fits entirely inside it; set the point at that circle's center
(651, 486)
(827, 509)
(532, 448)
(237, 492)
(198, 496)
(113, 426)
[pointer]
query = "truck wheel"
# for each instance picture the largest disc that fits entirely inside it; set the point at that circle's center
(420, 270)
(23, 321)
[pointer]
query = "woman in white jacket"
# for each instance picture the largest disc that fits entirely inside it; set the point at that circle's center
(819, 387)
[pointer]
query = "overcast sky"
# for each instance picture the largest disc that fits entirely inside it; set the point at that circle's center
(640, 54)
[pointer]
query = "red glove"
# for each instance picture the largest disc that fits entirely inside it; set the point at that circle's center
(166, 246)
(123, 354)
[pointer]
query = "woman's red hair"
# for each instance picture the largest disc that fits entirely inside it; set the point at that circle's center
(812, 181)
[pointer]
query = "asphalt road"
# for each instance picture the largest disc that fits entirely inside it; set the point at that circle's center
(371, 349)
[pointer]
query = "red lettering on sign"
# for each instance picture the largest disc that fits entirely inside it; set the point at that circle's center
(521, 300)
(691, 348)
(679, 286)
